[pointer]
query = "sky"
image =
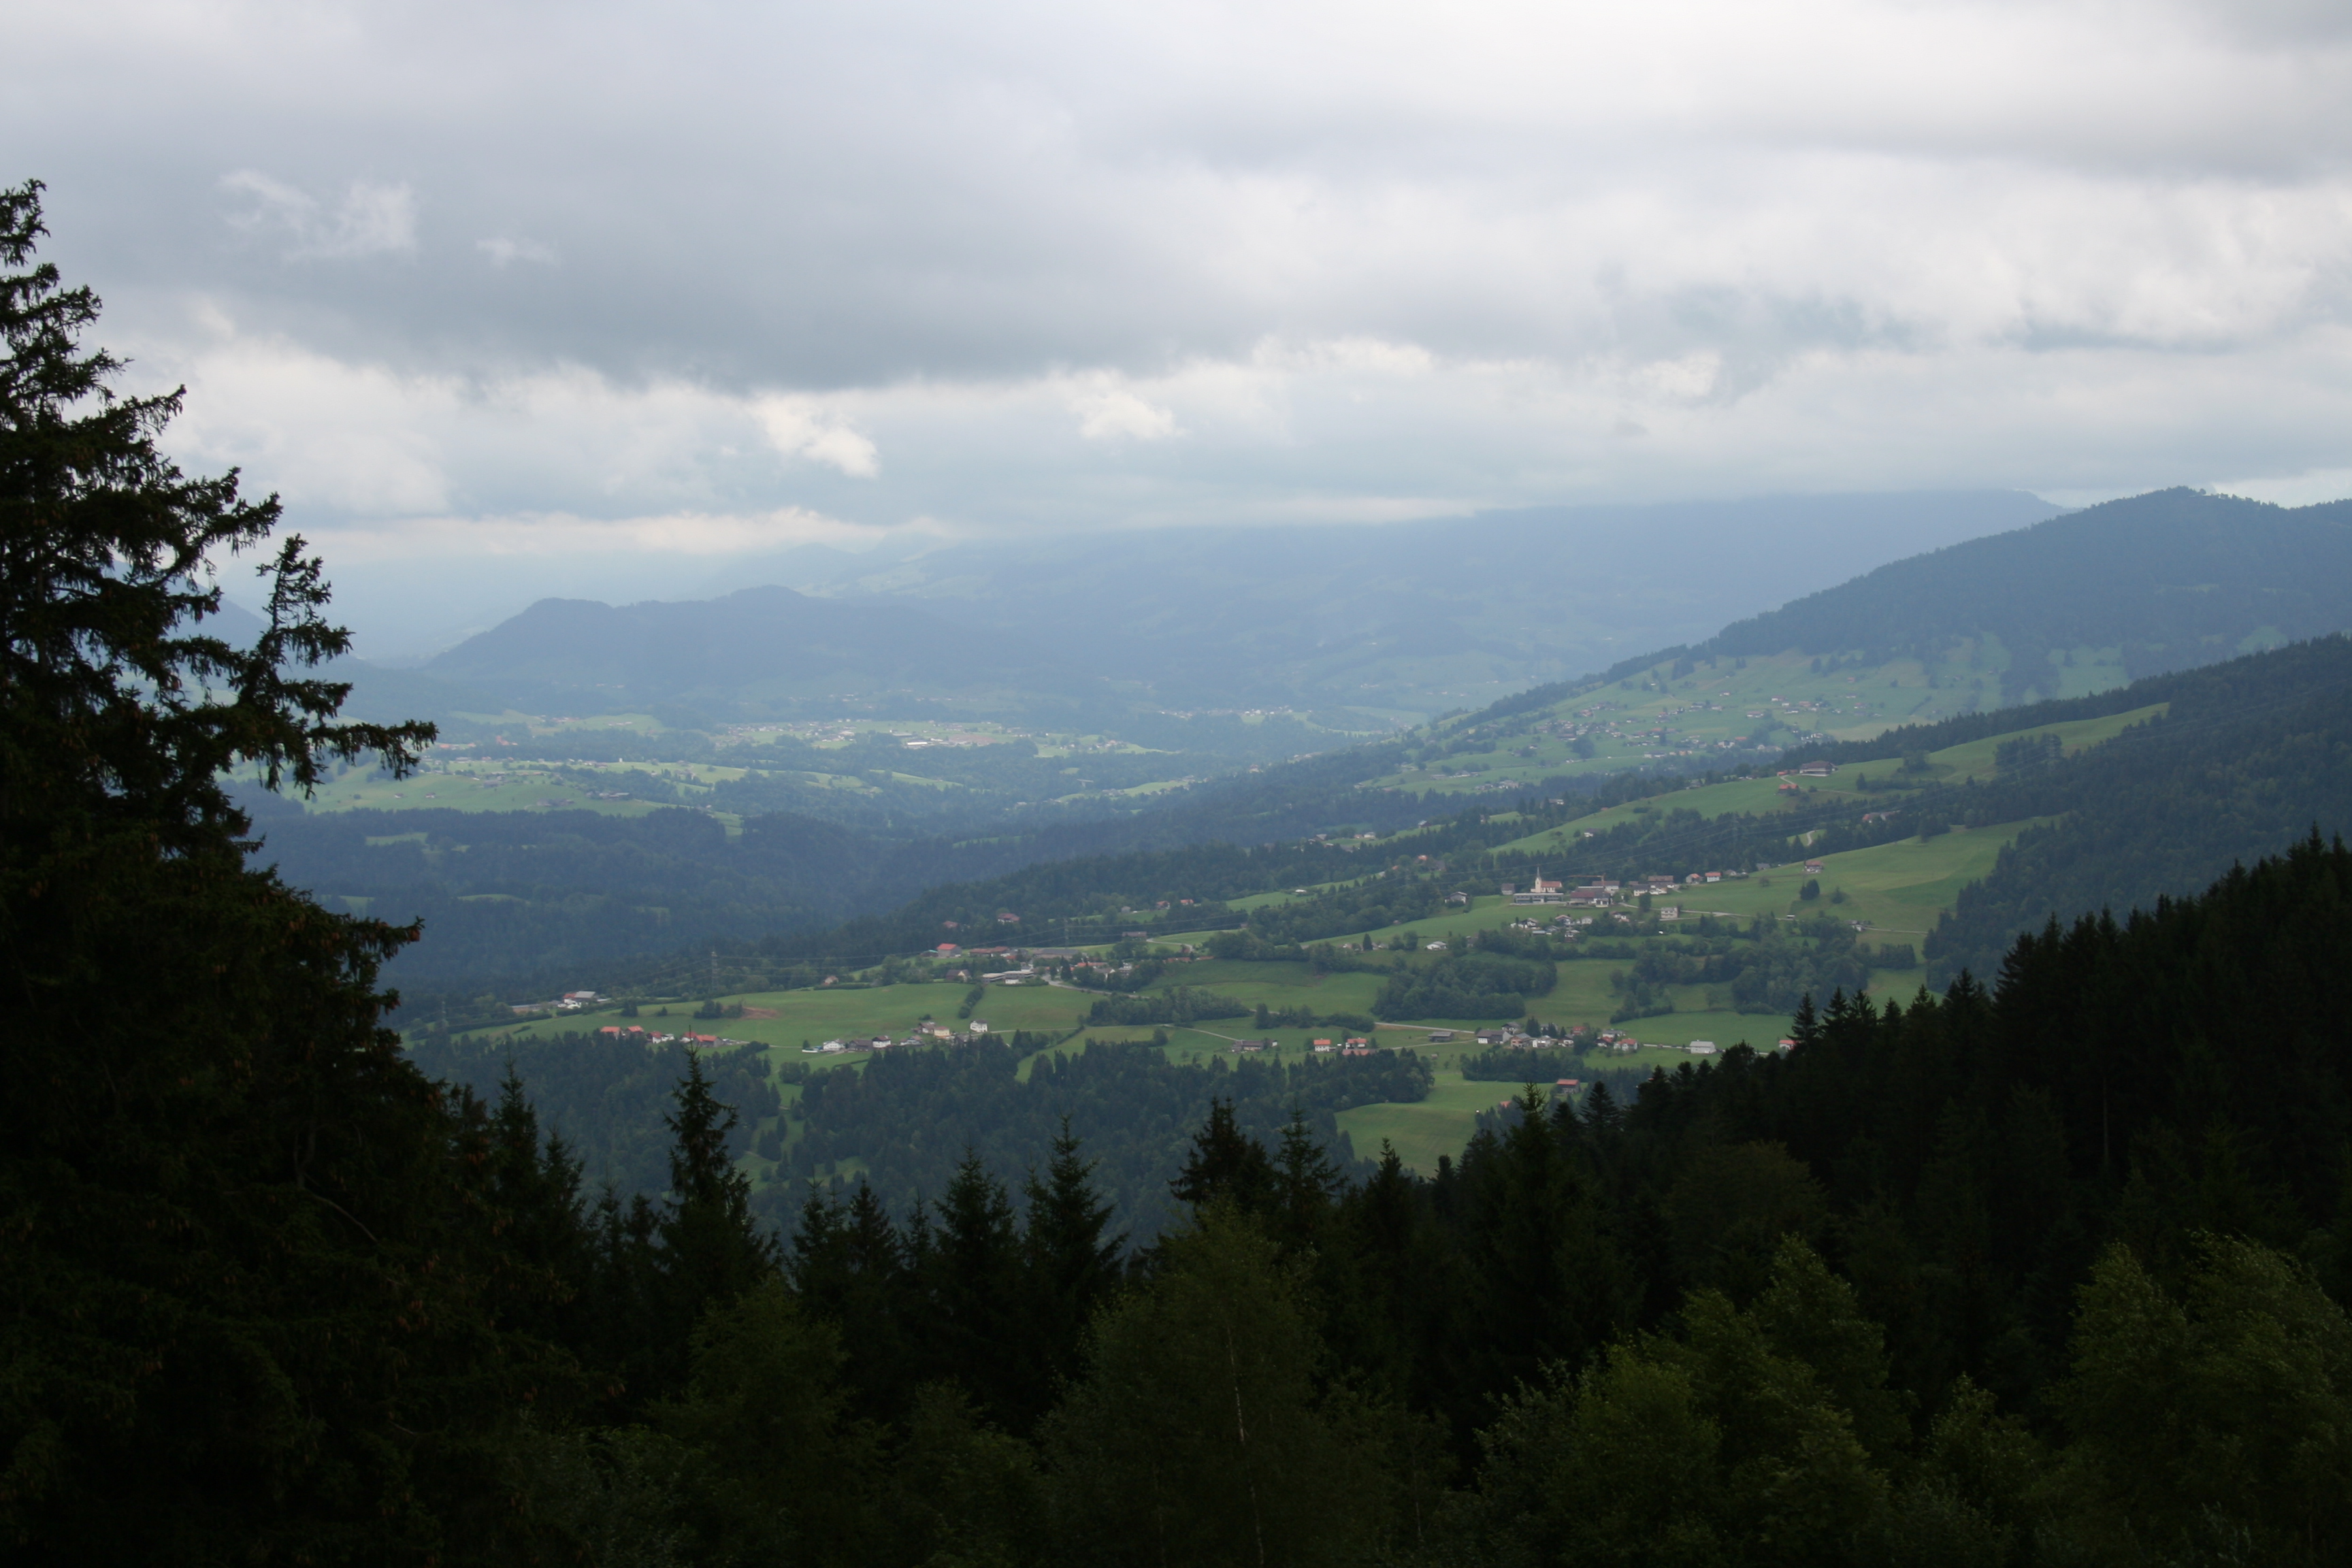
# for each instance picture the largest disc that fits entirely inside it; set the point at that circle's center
(587, 293)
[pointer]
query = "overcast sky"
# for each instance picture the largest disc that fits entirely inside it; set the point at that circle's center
(631, 282)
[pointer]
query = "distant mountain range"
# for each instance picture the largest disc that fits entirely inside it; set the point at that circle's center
(1366, 627)
(764, 648)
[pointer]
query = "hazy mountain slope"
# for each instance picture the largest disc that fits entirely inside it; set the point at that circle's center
(1398, 620)
(760, 643)
(2172, 580)
(2093, 599)
(1422, 617)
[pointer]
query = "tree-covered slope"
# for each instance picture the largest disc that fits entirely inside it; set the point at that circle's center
(2174, 578)
(2250, 757)
(2165, 581)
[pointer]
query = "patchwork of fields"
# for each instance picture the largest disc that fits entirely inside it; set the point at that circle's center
(1891, 893)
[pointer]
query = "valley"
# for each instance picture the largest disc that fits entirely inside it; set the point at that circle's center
(1818, 818)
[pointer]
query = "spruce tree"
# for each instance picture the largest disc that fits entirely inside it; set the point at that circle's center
(971, 1282)
(1224, 1165)
(712, 1249)
(1305, 1184)
(1071, 1264)
(250, 1304)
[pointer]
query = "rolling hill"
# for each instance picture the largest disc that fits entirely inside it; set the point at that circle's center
(2068, 608)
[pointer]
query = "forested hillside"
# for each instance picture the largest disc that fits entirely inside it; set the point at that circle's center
(2172, 579)
(2252, 755)
(2154, 582)
(907, 1121)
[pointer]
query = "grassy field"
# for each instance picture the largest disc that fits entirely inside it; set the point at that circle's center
(1764, 797)
(465, 783)
(1443, 1123)
(1715, 708)
(820, 1015)
(488, 777)
(521, 787)
(1438, 1125)
(1896, 889)
(1900, 887)
(1977, 756)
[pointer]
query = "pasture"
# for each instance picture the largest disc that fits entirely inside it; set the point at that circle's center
(1716, 706)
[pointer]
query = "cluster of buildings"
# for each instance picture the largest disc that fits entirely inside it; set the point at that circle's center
(927, 1033)
(644, 1037)
(1356, 1046)
(570, 1002)
(1609, 1040)
(1600, 892)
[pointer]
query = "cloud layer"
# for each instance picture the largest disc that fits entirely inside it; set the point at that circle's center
(429, 268)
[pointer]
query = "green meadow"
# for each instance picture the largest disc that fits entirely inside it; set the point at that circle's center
(1896, 889)
(1718, 706)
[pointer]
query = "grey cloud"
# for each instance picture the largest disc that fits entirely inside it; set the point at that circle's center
(369, 219)
(839, 197)
(1057, 264)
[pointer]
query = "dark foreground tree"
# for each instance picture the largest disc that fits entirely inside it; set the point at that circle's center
(245, 1307)
(1199, 1436)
